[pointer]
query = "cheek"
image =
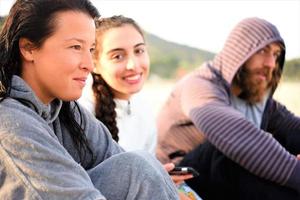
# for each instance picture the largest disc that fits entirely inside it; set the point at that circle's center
(251, 68)
(110, 73)
(146, 64)
(65, 62)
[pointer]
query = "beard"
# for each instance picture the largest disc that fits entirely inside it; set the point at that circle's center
(253, 88)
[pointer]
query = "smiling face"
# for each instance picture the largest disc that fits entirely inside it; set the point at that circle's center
(59, 68)
(123, 60)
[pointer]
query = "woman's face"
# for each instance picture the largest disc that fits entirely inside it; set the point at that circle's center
(59, 68)
(123, 61)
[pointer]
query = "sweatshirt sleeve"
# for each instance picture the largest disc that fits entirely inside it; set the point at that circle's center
(284, 125)
(230, 132)
(36, 165)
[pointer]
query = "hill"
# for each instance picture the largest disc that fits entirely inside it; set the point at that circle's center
(1, 21)
(291, 70)
(169, 59)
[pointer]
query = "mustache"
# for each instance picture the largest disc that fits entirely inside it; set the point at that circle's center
(266, 71)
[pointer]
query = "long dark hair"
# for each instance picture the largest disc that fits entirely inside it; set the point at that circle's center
(35, 21)
(105, 105)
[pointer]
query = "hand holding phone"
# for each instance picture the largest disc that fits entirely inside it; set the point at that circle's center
(184, 171)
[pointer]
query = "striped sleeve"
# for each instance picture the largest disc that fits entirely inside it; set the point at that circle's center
(252, 148)
(208, 107)
(283, 121)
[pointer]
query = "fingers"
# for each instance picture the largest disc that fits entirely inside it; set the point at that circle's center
(181, 177)
(178, 179)
(169, 166)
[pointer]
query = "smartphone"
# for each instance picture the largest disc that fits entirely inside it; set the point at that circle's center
(184, 171)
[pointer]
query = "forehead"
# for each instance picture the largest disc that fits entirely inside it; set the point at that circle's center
(125, 36)
(70, 24)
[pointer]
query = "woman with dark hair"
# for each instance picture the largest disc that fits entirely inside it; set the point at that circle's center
(50, 147)
(121, 68)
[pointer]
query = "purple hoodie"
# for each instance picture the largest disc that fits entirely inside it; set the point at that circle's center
(199, 107)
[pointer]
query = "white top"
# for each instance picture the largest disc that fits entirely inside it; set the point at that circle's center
(135, 120)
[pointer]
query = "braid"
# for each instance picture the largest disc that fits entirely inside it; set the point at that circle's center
(105, 105)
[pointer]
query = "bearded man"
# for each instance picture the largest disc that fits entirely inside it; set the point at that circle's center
(223, 120)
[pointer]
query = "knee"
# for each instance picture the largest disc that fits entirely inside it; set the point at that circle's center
(140, 158)
(143, 163)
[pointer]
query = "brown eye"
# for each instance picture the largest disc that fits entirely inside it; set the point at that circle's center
(139, 51)
(277, 55)
(117, 57)
(76, 47)
(92, 50)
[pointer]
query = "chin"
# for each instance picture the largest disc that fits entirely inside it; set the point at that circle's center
(136, 90)
(71, 97)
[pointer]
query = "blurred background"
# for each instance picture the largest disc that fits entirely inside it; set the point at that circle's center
(182, 34)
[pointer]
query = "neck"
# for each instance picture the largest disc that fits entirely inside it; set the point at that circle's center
(122, 96)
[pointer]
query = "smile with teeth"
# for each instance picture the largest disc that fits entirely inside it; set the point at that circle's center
(135, 77)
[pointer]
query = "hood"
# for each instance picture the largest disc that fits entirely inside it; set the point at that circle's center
(21, 92)
(248, 36)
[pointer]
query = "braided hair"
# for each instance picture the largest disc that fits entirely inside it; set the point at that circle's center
(104, 96)
(105, 105)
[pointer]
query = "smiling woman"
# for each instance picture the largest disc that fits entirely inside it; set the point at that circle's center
(122, 66)
(50, 147)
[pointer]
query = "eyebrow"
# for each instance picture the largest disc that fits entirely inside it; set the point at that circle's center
(121, 49)
(79, 40)
(280, 47)
(139, 44)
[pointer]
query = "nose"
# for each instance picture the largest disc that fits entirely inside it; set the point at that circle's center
(131, 64)
(87, 62)
(271, 61)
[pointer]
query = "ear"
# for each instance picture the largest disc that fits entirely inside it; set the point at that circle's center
(26, 49)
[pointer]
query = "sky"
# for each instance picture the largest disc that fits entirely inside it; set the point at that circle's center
(204, 24)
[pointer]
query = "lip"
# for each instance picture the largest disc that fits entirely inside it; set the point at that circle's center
(262, 76)
(80, 80)
(133, 78)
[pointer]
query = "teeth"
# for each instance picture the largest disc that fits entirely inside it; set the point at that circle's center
(133, 78)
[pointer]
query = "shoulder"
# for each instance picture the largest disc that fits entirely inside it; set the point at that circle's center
(197, 90)
(22, 129)
(15, 116)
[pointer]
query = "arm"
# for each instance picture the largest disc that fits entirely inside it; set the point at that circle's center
(252, 148)
(285, 126)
